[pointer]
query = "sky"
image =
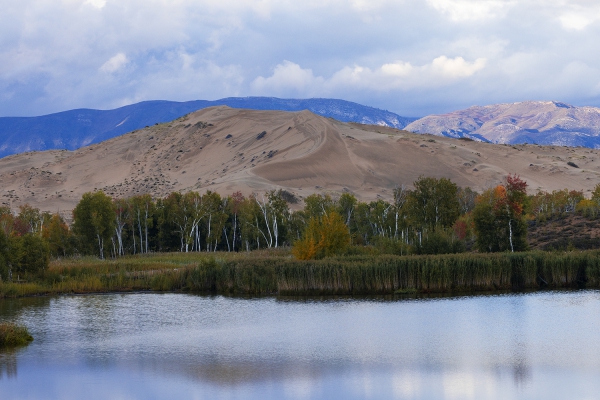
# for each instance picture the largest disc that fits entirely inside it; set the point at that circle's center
(412, 57)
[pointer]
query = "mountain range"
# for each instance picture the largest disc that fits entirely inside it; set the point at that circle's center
(225, 150)
(73, 129)
(536, 122)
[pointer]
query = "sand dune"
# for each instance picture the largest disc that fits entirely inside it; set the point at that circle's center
(222, 149)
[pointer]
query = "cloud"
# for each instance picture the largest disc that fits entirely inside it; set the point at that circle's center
(288, 76)
(96, 3)
(579, 16)
(388, 77)
(464, 10)
(114, 64)
(403, 75)
(408, 56)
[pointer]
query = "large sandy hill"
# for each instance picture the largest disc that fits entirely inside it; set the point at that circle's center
(222, 149)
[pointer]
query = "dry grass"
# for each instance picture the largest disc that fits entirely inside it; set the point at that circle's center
(276, 272)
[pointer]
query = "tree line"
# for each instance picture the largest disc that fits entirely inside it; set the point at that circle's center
(435, 217)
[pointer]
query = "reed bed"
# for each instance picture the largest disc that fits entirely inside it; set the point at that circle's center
(278, 273)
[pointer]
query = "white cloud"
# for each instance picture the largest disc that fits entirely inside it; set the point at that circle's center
(96, 3)
(114, 64)
(390, 76)
(403, 75)
(463, 10)
(454, 68)
(578, 17)
(287, 76)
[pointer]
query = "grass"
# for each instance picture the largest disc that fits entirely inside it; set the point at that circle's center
(12, 335)
(276, 272)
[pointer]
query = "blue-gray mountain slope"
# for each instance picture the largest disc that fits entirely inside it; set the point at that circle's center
(76, 128)
(539, 122)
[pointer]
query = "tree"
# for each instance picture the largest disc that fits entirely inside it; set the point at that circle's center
(121, 209)
(316, 205)
(141, 211)
(499, 217)
(433, 204)
(324, 236)
(94, 220)
(596, 195)
(4, 257)
(31, 217)
(466, 199)
(35, 255)
(56, 233)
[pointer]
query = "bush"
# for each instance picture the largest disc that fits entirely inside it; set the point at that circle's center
(37, 254)
(323, 237)
(30, 254)
(439, 242)
(588, 209)
(12, 335)
(397, 247)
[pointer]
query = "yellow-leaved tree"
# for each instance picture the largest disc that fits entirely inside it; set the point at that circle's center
(324, 236)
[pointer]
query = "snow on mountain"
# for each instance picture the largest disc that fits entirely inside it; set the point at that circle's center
(540, 122)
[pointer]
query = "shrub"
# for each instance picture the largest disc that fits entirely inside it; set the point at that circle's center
(12, 335)
(36, 255)
(587, 208)
(324, 236)
(440, 242)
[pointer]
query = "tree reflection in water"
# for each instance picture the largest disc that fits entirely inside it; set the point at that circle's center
(8, 364)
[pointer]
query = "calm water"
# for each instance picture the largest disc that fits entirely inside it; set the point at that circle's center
(144, 346)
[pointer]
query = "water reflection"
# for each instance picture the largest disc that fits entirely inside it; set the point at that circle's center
(170, 345)
(8, 364)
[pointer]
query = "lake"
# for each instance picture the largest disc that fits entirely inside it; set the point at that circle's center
(149, 345)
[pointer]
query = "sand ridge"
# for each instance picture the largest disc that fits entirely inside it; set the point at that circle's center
(222, 149)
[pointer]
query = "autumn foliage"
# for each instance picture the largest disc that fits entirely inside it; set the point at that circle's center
(323, 237)
(499, 217)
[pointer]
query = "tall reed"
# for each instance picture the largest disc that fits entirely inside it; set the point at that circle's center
(280, 274)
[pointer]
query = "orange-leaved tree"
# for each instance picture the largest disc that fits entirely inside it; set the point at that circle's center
(499, 217)
(324, 236)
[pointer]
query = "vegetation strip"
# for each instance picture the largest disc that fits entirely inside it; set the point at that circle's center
(278, 273)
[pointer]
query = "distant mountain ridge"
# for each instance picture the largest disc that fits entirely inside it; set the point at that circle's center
(76, 128)
(539, 122)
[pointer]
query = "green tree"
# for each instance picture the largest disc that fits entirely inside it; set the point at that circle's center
(57, 235)
(433, 204)
(34, 256)
(4, 257)
(316, 205)
(94, 221)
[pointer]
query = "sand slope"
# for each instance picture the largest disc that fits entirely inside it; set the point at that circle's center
(218, 149)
